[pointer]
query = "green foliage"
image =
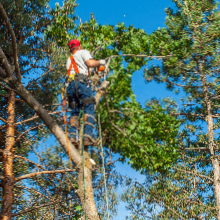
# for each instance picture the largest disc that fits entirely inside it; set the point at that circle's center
(147, 137)
(152, 146)
(190, 46)
(62, 20)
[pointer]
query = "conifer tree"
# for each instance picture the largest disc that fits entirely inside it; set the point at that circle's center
(191, 69)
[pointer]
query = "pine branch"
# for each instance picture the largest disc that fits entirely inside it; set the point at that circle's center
(3, 120)
(14, 44)
(25, 159)
(194, 173)
(41, 173)
(140, 55)
(2, 73)
(36, 117)
(40, 206)
(30, 129)
(5, 63)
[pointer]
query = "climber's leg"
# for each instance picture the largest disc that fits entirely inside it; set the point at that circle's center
(74, 105)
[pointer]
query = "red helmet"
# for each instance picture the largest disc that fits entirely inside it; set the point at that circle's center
(73, 43)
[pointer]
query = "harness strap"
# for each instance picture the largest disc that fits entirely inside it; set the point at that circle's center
(72, 65)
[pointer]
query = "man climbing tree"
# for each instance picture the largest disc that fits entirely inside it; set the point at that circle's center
(79, 91)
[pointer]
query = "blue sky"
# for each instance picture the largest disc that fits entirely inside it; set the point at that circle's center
(143, 14)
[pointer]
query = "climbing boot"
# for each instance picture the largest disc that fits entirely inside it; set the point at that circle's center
(88, 141)
(74, 121)
(73, 141)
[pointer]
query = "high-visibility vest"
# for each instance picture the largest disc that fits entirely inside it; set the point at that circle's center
(72, 65)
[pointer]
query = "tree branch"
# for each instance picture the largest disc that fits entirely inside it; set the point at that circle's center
(2, 73)
(5, 64)
(2, 119)
(140, 55)
(25, 159)
(194, 173)
(40, 206)
(14, 44)
(35, 117)
(40, 173)
(30, 129)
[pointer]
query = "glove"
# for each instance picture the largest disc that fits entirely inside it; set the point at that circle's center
(102, 62)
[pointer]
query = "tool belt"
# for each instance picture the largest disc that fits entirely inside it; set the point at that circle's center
(85, 102)
(82, 78)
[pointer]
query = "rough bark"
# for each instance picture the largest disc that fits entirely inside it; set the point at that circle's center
(211, 145)
(91, 210)
(8, 181)
(101, 92)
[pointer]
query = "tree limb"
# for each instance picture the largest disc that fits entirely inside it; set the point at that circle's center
(5, 63)
(139, 55)
(42, 172)
(2, 73)
(14, 44)
(40, 206)
(194, 173)
(25, 159)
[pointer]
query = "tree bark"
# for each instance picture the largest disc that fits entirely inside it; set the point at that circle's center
(211, 145)
(91, 210)
(8, 181)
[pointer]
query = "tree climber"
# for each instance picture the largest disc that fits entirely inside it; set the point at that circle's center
(79, 91)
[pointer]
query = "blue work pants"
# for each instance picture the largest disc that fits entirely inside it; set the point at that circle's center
(84, 91)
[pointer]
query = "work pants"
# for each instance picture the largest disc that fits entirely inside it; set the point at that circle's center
(84, 91)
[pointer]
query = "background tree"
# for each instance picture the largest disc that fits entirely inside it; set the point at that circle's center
(191, 188)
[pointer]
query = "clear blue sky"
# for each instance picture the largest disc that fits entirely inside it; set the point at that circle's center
(144, 14)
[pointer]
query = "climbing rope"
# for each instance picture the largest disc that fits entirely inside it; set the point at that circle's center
(81, 115)
(103, 163)
(65, 123)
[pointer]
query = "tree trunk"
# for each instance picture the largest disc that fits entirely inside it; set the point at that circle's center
(91, 211)
(211, 144)
(61, 137)
(8, 181)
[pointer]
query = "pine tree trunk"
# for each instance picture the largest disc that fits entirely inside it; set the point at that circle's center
(211, 145)
(91, 210)
(8, 182)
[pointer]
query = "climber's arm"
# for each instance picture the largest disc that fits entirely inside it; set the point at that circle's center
(94, 63)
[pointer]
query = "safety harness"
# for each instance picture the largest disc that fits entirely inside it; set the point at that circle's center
(80, 78)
